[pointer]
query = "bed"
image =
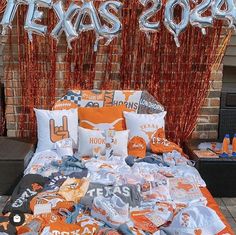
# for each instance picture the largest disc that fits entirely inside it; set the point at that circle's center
(72, 209)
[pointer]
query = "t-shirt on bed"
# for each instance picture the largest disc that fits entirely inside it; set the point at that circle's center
(128, 193)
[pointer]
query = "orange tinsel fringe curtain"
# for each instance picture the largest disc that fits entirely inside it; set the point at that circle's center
(2, 6)
(45, 70)
(2, 116)
(177, 77)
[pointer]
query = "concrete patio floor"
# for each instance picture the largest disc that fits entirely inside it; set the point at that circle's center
(3, 200)
(227, 206)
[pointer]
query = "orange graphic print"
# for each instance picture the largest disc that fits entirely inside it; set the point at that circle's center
(4, 225)
(142, 222)
(108, 98)
(90, 95)
(127, 94)
(185, 219)
(103, 126)
(197, 232)
(36, 186)
(88, 225)
(64, 104)
(149, 133)
(104, 165)
(186, 187)
(160, 133)
(59, 132)
(97, 149)
(151, 129)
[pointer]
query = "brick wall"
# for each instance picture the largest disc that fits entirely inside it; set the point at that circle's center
(207, 126)
(11, 87)
(1, 58)
(2, 44)
(2, 120)
(208, 117)
(230, 54)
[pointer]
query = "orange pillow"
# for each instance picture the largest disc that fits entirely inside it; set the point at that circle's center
(104, 118)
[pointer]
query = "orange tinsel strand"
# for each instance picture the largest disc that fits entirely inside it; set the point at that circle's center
(3, 4)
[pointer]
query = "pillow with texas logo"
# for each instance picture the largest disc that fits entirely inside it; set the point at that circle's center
(54, 126)
(144, 125)
(92, 142)
(104, 118)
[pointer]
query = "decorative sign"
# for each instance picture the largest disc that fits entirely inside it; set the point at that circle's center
(72, 21)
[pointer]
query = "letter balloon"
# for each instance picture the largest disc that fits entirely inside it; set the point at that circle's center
(144, 24)
(88, 9)
(33, 14)
(110, 18)
(65, 22)
(114, 31)
(10, 13)
(196, 18)
(228, 14)
(169, 21)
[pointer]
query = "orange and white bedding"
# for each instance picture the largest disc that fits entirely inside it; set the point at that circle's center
(155, 194)
(118, 181)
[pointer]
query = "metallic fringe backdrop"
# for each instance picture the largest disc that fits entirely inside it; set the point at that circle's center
(2, 116)
(179, 78)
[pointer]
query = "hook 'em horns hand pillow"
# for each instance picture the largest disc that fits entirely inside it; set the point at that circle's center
(54, 126)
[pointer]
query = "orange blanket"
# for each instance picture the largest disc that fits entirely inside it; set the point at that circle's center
(212, 204)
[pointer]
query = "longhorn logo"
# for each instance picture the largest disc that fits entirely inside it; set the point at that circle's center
(151, 130)
(103, 126)
(127, 94)
(149, 133)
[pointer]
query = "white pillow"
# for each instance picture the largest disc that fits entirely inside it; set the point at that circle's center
(90, 139)
(144, 125)
(54, 126)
